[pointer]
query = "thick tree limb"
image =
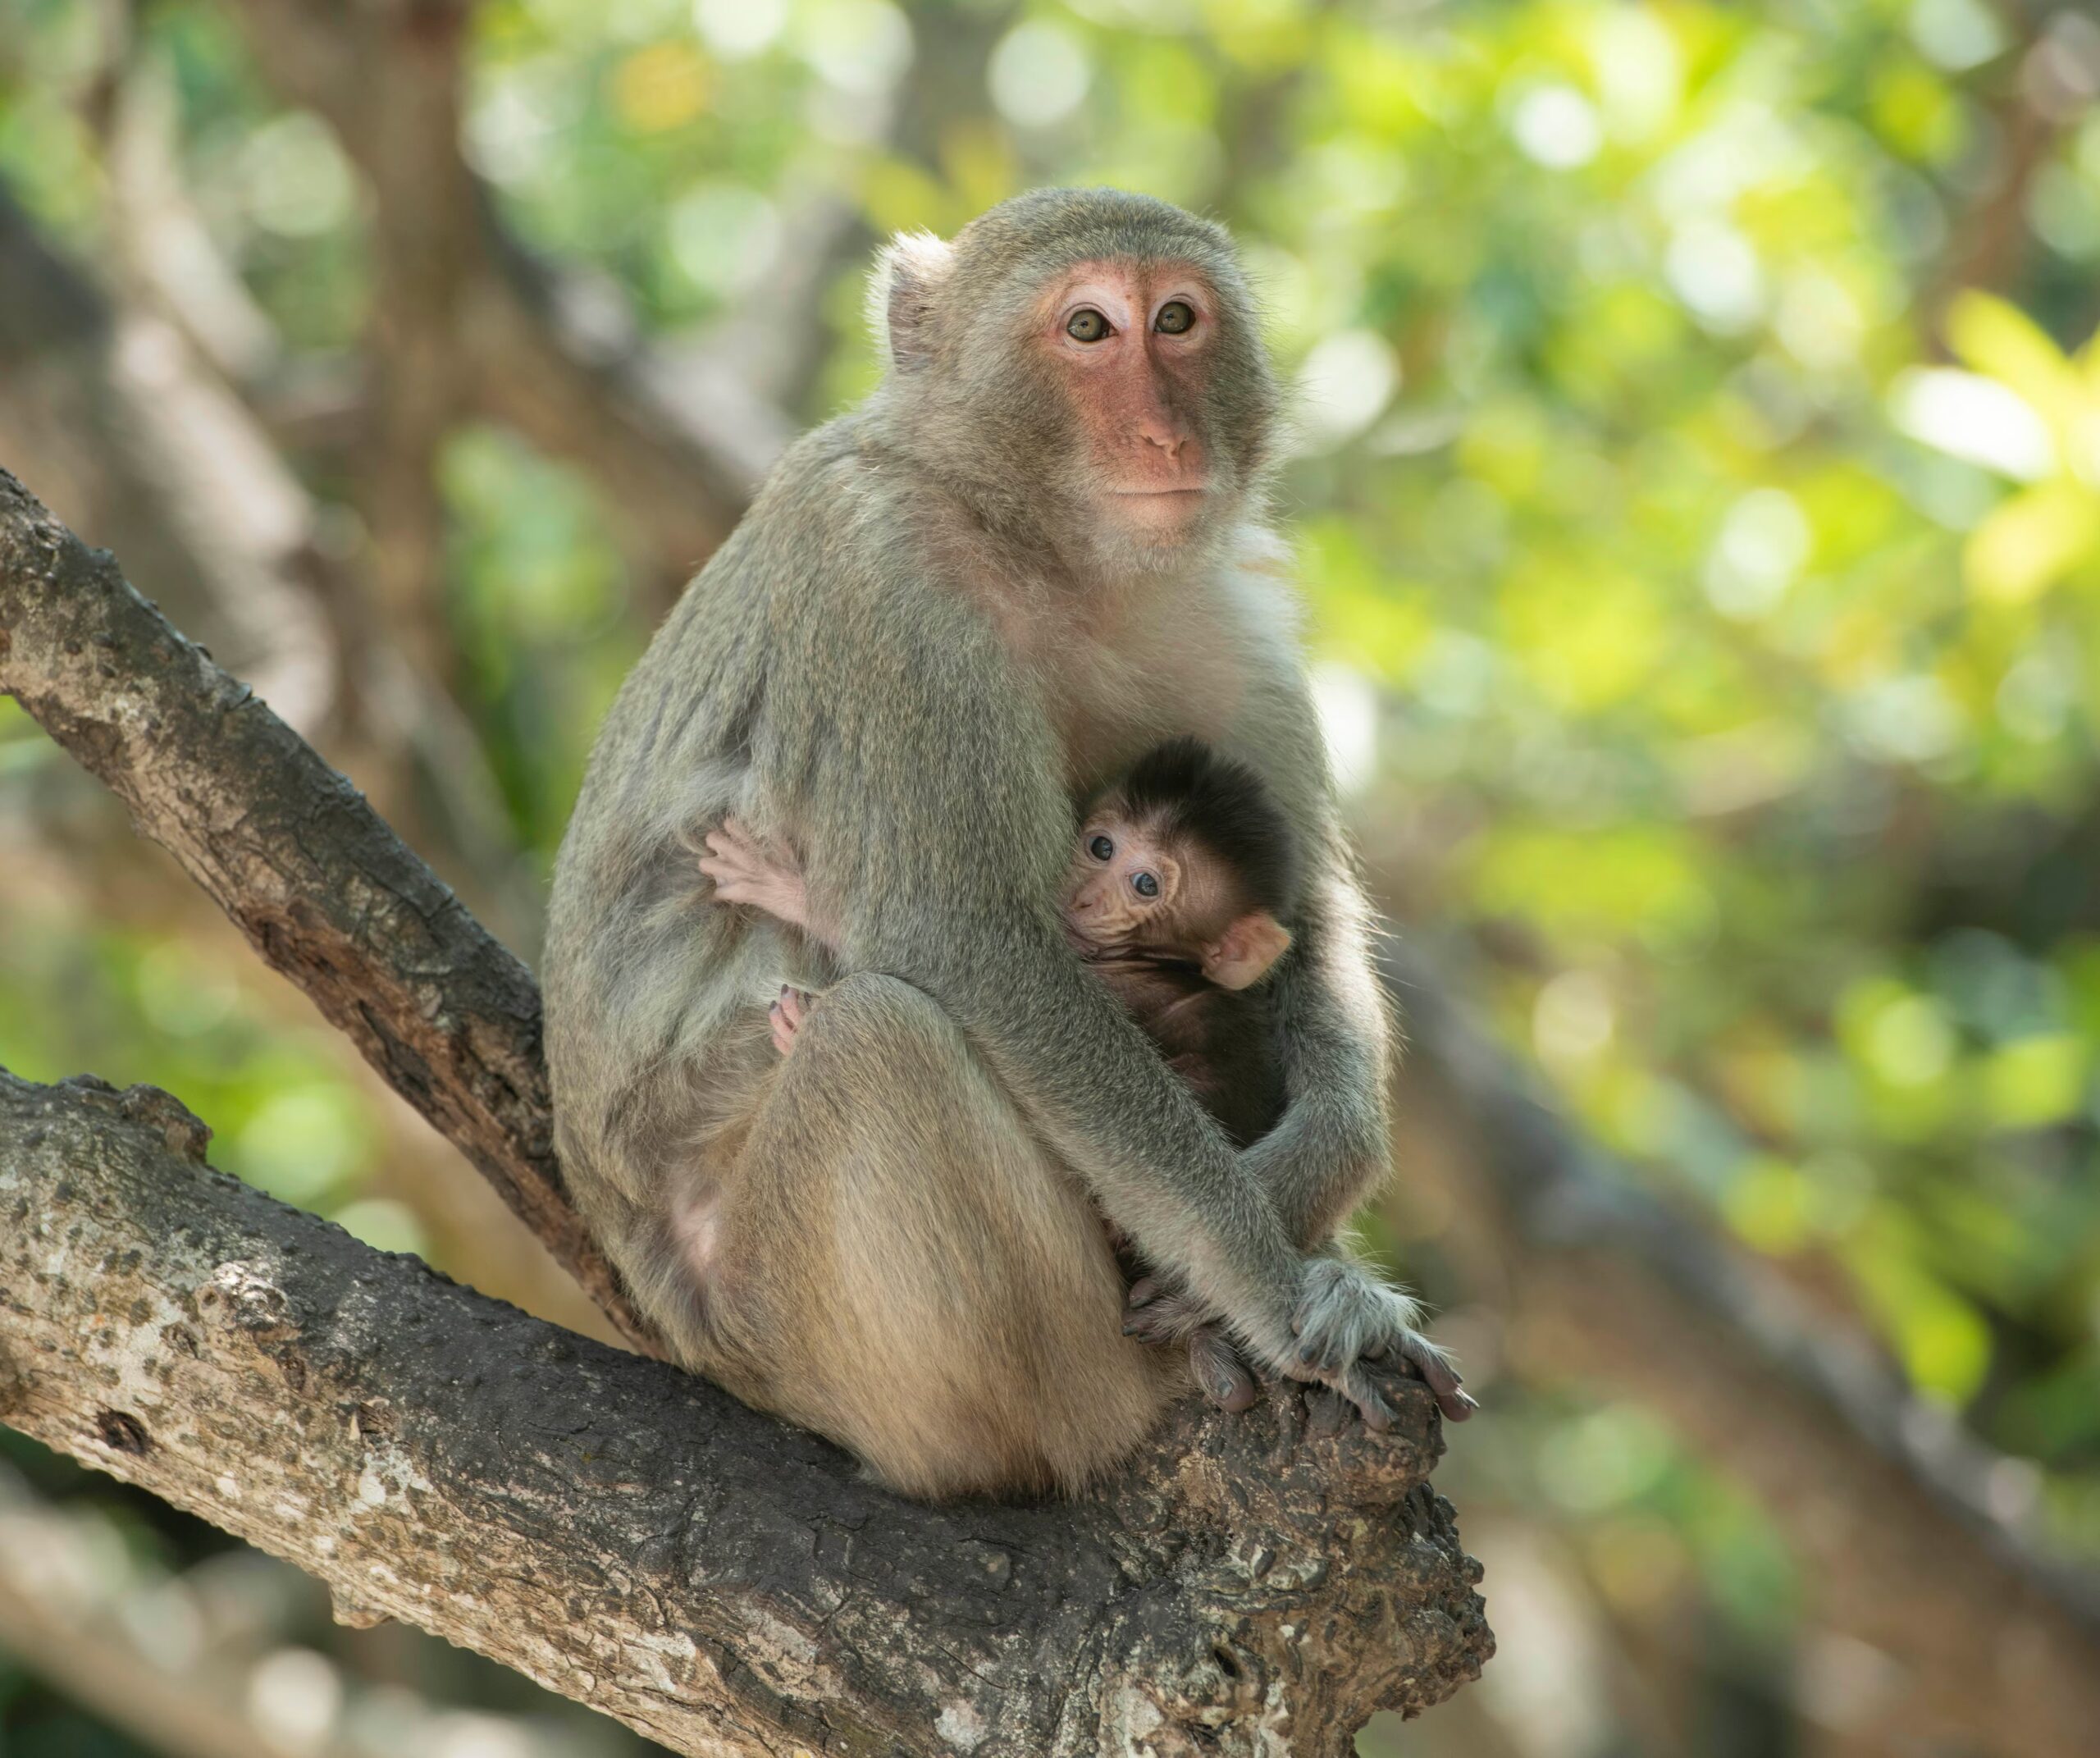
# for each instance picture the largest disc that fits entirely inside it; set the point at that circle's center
(290, 852)
(635, 1538)
(1888, 1506)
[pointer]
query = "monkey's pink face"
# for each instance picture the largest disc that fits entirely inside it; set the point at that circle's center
(1132, 343)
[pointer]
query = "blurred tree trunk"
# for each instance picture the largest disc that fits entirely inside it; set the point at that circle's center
(1886, 1505)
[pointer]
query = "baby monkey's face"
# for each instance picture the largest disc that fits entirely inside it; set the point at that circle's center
(1127, 886)
(1132, 887)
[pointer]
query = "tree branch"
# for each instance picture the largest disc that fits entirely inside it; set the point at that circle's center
(324, 890)
(636, 1539)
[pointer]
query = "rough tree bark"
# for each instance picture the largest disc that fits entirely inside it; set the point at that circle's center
(636, 1539)
(292, 853)
(621, 1531)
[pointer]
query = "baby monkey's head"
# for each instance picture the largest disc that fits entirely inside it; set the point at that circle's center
(1188, 857)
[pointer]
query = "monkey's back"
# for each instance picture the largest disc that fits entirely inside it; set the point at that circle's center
(1222, 1042)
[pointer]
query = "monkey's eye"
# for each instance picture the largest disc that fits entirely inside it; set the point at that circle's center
(1145, 884)
(1101, 848)
(1086, 324)
(1176, 317)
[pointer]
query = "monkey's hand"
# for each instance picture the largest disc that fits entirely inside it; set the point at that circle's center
(1353, 1331)
(744, 870)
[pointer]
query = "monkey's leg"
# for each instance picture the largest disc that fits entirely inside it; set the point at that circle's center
(899, 1265)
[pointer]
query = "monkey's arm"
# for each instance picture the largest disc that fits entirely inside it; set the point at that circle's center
(1332, 1146)
(1333, 1026)
(1331, 1149)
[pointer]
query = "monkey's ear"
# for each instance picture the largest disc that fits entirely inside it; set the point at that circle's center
(1242, 955)
(903, 295)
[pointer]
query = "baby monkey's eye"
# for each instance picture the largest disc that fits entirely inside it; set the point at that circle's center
(1101, 848)
(1145, 884)
(1176, 317)
(1086, 324)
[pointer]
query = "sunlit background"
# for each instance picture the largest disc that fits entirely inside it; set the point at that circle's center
(1696, 469)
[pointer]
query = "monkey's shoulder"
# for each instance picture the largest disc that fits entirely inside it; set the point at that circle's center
(842, 519)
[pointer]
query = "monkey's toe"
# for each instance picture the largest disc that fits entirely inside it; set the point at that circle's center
(1220, 1371)
(786, 1016)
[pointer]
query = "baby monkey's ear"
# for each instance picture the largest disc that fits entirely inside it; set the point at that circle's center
(1241, 956)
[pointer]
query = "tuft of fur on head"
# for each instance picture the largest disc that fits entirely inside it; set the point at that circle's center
(903, 297)
(1186, 789)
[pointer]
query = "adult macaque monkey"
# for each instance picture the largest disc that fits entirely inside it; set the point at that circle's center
(1027, 557)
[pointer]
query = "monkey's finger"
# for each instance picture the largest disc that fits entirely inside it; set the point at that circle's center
(1440, 1377)
(1143, 1291)
(1421, 1361)
(1355, 1386)
(1322, 1354)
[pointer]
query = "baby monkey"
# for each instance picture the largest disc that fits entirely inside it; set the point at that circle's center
(1182, 875)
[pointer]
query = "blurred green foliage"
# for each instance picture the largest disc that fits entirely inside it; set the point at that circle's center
(1695, 465)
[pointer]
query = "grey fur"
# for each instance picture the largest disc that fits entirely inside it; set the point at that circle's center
(895, 667)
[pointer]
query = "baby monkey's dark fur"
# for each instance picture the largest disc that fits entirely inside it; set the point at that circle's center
(1222, 1041)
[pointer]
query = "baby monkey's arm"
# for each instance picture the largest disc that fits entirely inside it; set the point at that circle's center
(744, 870)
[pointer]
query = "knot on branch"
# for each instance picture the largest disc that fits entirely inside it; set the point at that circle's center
(180, 1129)
(244, 1297)
(185, 1132)
(1266, 1539)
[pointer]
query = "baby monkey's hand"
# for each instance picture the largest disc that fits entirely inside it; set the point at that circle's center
(744, 870)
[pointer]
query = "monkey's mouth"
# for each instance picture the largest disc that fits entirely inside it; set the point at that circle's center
(1161, 510)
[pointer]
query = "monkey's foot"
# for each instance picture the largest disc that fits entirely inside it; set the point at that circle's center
(1153, 1315)
(1156, 1314)
(786, 1016)
(1221, 1375)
